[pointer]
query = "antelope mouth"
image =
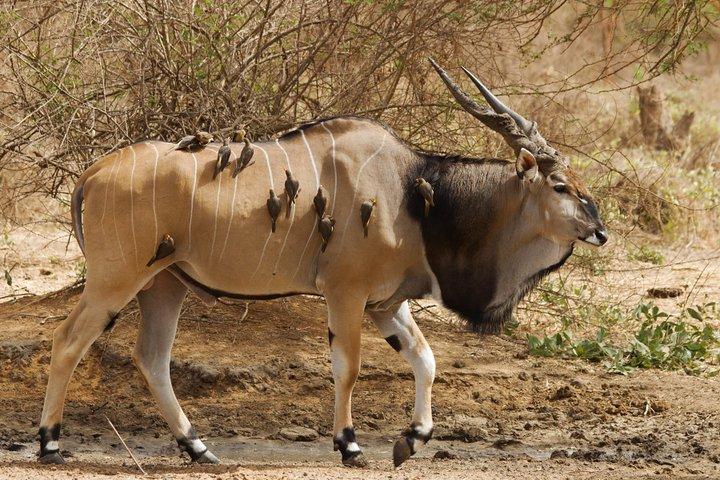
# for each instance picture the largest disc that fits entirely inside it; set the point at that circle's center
(598, 238)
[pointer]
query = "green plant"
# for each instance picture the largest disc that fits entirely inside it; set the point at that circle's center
(686, 341)
(647, 255)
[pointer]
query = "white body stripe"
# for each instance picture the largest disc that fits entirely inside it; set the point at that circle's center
(154, 196)
(132, 202)
(192, 201)
(117, 234)
(355, 188)
(292, 213)
(267, 161)
(334, 194)
(312, 160)
(107, 187)
(232, 211)
(317, 186)
(272, 187)
(262, 255)
(217, 208)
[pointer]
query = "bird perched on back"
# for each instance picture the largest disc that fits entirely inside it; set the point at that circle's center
(199, 139)
(164, 249)
(245, 158)
(427, 192)
(366, 210)
(239, 136)
(223, 158)
(292, 188)
(274, 206)
(320, 202)
(325, 228)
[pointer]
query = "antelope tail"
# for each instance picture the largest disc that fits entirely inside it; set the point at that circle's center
(76, 212)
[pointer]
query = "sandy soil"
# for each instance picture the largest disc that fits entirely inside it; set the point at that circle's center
(500, 413)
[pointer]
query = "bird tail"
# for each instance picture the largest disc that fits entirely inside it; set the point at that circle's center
(324, 246)
(274, 225)
(365, 230)
(427, 208)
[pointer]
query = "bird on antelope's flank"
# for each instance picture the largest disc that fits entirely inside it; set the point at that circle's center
(366, 210)
(292, 188)
(199, 139)
(320, 202)
(245, 158)
(274, 207)
(427, 193)
(223, 158)
(325, 228)
(164, 249)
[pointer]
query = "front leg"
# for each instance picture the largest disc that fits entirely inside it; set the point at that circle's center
(402, 333)
(345, 316)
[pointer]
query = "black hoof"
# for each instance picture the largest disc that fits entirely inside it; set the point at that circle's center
(355, 461)
(53, 458)
(401, 452)
(208, 458)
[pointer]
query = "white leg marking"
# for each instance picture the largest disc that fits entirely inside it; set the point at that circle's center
(192, 201)
(334, 195)
(317, 185)
(272, 186)
(117, 234)
(52, 446)
(355, 189)
(217, 207)
(292, 213)
(157, 156)
(107, 187)
(132, 203)
(232, 212)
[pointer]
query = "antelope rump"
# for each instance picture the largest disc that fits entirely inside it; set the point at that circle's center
(493, 230)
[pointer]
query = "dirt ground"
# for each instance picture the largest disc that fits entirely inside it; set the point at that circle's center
(500, 413)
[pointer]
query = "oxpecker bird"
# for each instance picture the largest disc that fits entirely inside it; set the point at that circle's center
(245, 158)
(366, 210)
(239, 136)
(325, 228)
(320, 202)
(200, 139)
(292, 188)
(274, 207)
(164, 249)
(223, 158)
(427, 192)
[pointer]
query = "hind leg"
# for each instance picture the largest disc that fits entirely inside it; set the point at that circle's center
(96, 309)
(160, 308)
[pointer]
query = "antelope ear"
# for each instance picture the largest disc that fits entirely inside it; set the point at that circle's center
(526, 166)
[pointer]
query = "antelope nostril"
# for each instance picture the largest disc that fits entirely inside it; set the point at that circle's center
(602, 236)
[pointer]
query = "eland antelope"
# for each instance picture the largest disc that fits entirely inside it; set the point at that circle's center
(494, 229)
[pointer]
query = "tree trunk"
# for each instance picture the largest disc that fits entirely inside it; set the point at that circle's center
(655, 123)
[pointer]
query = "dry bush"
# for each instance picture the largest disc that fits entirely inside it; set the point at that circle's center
(82, 78)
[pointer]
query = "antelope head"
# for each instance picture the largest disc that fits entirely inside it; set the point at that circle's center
(495, 230)
(566, 210)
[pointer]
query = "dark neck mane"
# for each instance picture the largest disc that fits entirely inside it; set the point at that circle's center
(471, 237)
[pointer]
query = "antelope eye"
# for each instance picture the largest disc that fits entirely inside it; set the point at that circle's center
(560, 188)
